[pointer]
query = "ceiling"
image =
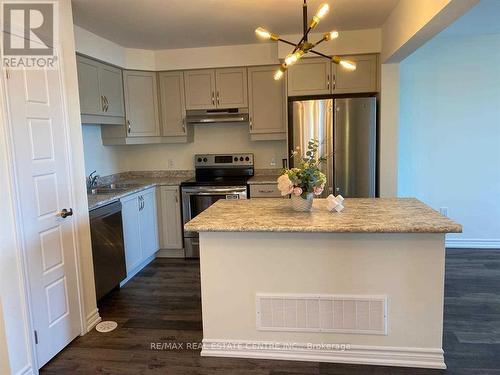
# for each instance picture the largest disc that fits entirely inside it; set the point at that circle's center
(168, 24)
(480, 20)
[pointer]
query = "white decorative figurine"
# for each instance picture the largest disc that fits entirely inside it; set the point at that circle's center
(335, 203)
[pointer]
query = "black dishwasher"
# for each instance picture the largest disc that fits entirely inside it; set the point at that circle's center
(108, 251)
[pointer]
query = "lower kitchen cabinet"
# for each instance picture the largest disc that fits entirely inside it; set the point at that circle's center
(169, 217)
(140, 229)
(131, 232)
(148, 223)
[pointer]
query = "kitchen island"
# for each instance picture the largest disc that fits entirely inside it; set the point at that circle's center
(362, 286)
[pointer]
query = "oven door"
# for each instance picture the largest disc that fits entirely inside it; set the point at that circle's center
(196, 199)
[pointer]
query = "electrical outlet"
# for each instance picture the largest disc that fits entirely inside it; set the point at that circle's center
(443, 211)
(273, 162)
(170, 163)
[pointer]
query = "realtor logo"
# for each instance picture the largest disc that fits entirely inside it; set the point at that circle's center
(29, 30)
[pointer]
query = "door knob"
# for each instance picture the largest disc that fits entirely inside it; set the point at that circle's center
(65, 213)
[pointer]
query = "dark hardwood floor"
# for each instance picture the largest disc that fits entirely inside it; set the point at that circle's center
(162, 304)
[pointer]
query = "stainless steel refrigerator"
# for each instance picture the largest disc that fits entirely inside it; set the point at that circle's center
(346, 129)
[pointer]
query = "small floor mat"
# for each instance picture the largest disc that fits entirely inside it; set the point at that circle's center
(106, 326)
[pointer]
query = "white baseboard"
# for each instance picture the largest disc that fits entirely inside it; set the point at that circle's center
(466, 243)
(355, 354)
(92, 319)
(170, 253)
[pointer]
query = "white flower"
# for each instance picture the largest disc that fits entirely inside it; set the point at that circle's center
(285, 186)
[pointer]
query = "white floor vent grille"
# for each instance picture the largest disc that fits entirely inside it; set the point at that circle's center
(322, 313)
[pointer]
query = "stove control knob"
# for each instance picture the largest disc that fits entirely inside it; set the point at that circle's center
(205, 160)
(241, 158)
(235, 158)
(247, 159)
(199, 160)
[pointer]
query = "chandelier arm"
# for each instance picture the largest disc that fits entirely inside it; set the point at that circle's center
(318, 42)
(304, 38)
(287, 42)
(319, 54)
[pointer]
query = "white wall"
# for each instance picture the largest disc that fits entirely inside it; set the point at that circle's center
(388, 129)
(414, 22)
(105, 160)
(449, 148)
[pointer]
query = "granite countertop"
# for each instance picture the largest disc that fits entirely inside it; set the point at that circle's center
(136, 184)
(263, 179)
(361, 215)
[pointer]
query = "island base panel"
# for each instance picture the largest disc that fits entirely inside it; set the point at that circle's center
(407, 268)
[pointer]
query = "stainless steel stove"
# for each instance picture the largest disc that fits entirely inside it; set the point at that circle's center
(217, 176)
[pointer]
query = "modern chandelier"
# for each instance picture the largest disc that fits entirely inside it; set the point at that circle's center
(304, 46)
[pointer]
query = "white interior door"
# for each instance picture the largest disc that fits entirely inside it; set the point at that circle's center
(38, 126)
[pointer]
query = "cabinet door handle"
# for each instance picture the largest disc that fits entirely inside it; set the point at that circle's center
(251, 123)
(128, 126)
(218, 98)
(176, 198)
(266, 191)
(184, 124)
(213, 98)
(103, 105)
(334, 83)
(328, 81)
(106, 103)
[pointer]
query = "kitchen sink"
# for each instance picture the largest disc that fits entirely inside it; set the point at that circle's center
(113, 188)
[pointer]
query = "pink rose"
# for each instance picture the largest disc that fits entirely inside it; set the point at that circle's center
(297, 191)
(318, 190)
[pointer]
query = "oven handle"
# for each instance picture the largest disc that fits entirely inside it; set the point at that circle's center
(212, 191)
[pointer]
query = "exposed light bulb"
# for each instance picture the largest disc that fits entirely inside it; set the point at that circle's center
(264, 34)
(279, 73)
(334, 34)
(294, 57)
(322, 10)
(349, 65)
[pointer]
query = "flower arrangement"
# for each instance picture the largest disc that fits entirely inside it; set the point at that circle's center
(306, 179)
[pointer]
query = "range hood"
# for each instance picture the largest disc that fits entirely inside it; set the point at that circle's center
(214, 116)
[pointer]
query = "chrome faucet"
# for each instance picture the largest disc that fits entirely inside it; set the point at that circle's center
(92, 180)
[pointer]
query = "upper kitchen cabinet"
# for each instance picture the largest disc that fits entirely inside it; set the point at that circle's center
(319, 76)
(310, 76)
(267, 104)
(231, 88)
(200, 89)
(141, 103)
(101, 92)
(173, 107)
(111, 83)
(216, 88)
(363, 79)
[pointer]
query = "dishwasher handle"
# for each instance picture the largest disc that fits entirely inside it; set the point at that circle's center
(106, 210)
